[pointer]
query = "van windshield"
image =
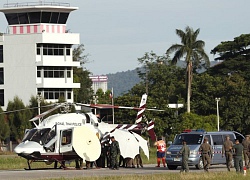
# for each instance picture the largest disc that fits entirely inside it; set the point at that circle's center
(191, 139)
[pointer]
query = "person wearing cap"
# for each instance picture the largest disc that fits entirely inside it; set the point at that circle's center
(246, 143)
(227, 151)
(206, 153)
(161, 151)
(237, 154)
(185, 152)
(114, 153)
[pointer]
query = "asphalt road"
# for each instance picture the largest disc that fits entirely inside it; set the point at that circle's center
(72, 173)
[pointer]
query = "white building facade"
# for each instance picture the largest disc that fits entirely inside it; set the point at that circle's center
(36, 55)
(99, 82)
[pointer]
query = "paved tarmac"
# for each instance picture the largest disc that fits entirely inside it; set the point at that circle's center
(72, 173)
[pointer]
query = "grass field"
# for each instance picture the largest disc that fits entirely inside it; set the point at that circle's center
(10, 161)
(173, 176)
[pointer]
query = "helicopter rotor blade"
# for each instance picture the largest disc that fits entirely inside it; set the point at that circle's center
(46, 112)
(7, 112)
(116, 107)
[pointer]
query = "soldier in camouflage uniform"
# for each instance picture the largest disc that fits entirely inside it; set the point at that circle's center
(246, 143)
(238, 152)
(227, 151)
(185, 152)
(114, 153)
(206, 153)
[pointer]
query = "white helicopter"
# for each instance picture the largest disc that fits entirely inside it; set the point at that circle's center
(76, 136)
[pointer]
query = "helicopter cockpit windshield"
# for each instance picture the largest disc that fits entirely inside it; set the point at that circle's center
(37, 135)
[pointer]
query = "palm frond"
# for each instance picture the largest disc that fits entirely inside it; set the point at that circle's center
(196, 33)
(173, 48)
(178, 55)
(199, 44)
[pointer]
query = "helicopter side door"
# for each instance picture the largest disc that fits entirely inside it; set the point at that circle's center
(66, 140)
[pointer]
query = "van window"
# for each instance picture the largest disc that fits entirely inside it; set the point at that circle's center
(217, 139)
(191, 139)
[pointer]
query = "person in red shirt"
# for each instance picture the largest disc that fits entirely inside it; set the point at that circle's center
(161, 151)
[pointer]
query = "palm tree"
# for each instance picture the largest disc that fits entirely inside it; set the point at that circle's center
(193, 51)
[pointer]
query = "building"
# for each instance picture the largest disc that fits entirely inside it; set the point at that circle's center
(99, 82)
(36, 52)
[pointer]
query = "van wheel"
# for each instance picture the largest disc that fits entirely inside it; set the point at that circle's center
(200, 164)
(172, 167)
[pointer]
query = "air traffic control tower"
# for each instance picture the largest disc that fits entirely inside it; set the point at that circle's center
(36, 52)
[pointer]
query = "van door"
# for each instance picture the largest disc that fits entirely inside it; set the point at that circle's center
(217, 148)
(66, 140)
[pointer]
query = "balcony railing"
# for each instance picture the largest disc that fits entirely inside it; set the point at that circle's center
(40, 3)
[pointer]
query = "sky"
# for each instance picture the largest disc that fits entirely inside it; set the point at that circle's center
(116, 33)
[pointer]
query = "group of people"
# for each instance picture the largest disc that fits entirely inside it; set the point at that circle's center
(112, 155)
(229, 150)
(236, 152)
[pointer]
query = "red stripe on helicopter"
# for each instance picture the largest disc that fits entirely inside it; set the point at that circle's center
(151, 131)
(140, 113)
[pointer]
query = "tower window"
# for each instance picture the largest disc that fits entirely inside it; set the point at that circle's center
(1, 53)
(37, 17)
(2, 97)
(1, 76)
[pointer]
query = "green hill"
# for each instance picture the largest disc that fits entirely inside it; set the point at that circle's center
(122, 81)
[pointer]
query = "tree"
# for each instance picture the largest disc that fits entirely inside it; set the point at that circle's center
(81, 76)
(18, 121)
(194, 121)
(194, 53)
(235, 56)
(238, 48)
(165, 83)
(4, 128)
(78, 54)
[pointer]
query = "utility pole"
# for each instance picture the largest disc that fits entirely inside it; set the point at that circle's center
(39, 100)
(146, 78)
(95, 97)
(218, 116)
(112, 102)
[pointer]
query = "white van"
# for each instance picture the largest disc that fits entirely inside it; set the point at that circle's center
(194, 138)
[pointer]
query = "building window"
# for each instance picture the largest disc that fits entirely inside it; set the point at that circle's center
(50, 93)
(38, 49)
(68, 72)
(1, 53)
(54, 49)
(1, 97)
(1, 76)
(68, 95)
(53, 72)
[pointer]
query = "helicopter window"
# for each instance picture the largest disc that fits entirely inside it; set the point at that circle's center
(87, 118)
(66, 137)
(37, 135)
(50, 136)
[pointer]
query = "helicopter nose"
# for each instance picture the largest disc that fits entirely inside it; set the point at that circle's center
(18, 150)
(28, 148)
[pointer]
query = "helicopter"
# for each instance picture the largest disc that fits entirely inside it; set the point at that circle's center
(75, 136)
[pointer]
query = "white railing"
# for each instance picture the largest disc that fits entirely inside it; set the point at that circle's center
(40, 3)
